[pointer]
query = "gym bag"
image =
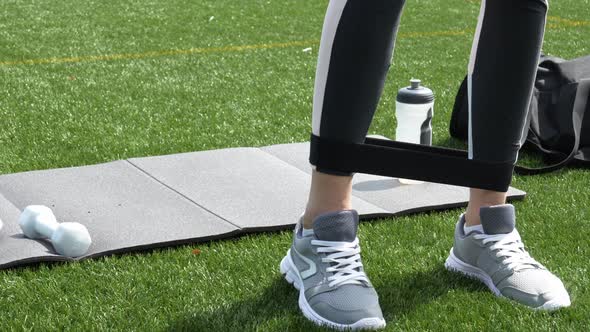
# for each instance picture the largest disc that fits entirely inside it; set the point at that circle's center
(556, 125)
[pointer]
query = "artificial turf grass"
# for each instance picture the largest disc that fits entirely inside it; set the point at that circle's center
(87, 112)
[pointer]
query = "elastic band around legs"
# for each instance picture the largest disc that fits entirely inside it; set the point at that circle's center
(410, 161)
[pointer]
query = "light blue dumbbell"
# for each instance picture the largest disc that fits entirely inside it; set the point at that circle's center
(69, 238)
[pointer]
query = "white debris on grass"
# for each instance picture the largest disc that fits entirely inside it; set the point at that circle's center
(306, 50)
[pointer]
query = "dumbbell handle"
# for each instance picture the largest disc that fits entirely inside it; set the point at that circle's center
(46, 226)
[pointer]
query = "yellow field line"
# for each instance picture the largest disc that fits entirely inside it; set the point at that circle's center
(558, 22)
(435, 33)
(153, 54)
(553, 22)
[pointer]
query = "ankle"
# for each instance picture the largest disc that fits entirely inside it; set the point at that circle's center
(328, 193)
(472, 219)
(479, 198)
(308, 218)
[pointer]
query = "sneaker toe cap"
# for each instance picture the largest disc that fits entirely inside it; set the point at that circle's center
(536, 288)
(347, 304)
(347, 317)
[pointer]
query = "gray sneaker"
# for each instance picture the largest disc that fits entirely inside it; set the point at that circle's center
(326, 268)
(498, 258)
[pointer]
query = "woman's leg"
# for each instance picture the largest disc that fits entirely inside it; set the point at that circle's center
(324, 261)
(355, 53)
(502, 70)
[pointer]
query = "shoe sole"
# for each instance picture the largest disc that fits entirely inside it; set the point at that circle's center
(291, 274)
(454, 264)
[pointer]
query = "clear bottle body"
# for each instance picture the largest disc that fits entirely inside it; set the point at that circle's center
(414, 125)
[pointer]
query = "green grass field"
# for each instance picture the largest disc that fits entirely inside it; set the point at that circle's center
(91, 81)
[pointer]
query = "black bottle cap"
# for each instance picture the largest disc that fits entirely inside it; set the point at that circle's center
(415, 94)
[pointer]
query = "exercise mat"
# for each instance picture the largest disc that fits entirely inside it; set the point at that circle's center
(141, 203)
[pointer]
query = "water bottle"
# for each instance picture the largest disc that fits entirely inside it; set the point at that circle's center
(414, 107)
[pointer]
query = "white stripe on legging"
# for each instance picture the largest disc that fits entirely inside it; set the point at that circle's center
(470, 71)
(333, 14)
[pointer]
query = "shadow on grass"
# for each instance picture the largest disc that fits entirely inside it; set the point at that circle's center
(276, 307)
(409, 292)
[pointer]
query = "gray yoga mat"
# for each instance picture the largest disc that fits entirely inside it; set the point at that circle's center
(142, 203)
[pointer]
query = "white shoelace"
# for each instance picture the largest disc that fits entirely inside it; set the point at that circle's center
(347, 259)
(510, 246)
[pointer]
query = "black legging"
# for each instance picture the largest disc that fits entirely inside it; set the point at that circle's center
(355, 53)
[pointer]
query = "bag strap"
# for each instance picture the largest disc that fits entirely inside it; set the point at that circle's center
(580, 102)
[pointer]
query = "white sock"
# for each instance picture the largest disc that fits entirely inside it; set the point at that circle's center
(306, 232)
(471, 229)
